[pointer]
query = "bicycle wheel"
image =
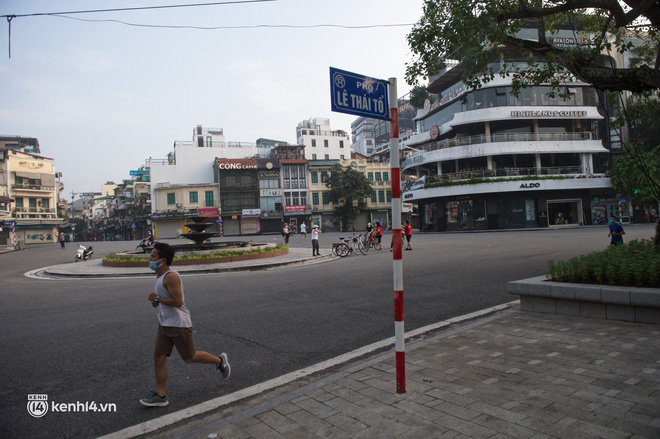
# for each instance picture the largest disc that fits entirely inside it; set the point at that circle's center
(365, 245)
(362, 248)
(342, 250)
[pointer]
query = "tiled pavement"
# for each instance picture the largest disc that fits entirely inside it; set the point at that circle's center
(513, 374)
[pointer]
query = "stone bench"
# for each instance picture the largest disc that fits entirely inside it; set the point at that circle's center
(629, 304)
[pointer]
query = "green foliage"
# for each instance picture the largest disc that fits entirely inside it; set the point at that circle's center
(347, 185)
(637, 171)
(115, 257)
(634, 264)
(477, 32)
(476, 180)
(418, 95)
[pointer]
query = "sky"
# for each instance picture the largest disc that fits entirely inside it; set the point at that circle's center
(102, 97)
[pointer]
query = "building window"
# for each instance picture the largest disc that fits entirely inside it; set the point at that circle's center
(231, 180)
(386, 176)
(313, 156)
(313, 143)
(246, 180)
(341, 143)
(327, 157)
(373, 197)
(315, 177)
(324, 176)
(377, 176)
(381, 196)
(171, 199)
(342, 157)
(389, 196)
(325, 143)
(315, 199)
(326, 199)
(192, 197)
(208, 196)
(370, 176)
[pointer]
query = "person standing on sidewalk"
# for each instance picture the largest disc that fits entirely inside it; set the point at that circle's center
(62, 239)
(616, 232)
(408, 232)
(174, 325)
(303, 230)
(315, 240)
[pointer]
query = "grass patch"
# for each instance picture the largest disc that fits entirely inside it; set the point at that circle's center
(635, 264)
(115, 257)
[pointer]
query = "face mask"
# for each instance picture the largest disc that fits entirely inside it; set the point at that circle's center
(154, 265)
(612, 221)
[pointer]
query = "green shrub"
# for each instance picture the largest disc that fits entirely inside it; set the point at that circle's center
(633, 264)
(114, 257)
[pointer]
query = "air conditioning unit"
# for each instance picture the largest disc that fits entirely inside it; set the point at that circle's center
(179, 205)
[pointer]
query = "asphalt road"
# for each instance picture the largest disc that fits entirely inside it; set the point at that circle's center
(90, 340)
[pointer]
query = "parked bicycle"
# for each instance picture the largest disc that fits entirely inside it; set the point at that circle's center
(350, 245)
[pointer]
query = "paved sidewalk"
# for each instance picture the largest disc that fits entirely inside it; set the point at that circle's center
(512, 374)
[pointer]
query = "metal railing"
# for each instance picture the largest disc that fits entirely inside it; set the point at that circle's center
(32, 187)
(510, 137)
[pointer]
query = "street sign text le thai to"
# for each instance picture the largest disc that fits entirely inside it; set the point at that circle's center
(359, 95)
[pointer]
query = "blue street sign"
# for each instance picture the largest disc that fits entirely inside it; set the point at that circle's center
(358, 94)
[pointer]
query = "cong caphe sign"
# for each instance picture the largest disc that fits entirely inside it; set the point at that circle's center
(359, 95)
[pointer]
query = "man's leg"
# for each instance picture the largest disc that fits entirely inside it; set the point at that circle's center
(160, 365)
(204, 357)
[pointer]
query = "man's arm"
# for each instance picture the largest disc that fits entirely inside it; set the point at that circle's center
(172, 284)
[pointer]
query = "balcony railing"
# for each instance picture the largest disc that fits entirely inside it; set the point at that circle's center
(572, 171)
(32, 187)
(511, 137)
(34, 212)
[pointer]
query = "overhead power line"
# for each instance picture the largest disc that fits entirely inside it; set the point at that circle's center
(247, 26)
(139, 8)
(10, 17)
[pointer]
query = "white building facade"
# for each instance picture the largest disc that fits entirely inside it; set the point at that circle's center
(321, 142)
(486, 159)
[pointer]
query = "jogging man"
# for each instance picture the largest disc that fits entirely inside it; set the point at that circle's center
(175, 326)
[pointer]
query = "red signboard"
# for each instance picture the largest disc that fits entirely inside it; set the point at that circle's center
(210, 211)
(291, 209)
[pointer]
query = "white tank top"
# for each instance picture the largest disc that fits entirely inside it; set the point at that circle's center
(170, 315)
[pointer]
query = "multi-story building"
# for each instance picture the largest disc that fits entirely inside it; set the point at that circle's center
(192, 162)
(295, 189)
(371, 136)
(375, 208)
(29, 193)
(486, 159)
(270, 195)
(321, 142)
(177, 202)
(239, 195)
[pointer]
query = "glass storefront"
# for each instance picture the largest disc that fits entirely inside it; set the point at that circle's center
(465, 214)
(516, 212)
(564, 212)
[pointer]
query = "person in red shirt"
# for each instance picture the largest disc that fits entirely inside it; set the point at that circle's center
(408, 232)
(379, 235)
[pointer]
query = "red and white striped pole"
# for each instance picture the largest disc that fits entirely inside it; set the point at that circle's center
(397, 257)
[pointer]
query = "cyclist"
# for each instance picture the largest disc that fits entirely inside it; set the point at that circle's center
(370, 235)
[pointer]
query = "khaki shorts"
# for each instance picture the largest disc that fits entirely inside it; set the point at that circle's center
(170, 336)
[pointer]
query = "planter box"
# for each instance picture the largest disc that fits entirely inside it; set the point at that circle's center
(629, 304)
(205, 261)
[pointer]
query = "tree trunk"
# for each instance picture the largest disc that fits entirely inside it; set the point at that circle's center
(656, 238)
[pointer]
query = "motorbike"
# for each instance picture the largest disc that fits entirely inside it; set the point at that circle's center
(84, 253)
(144, 245)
